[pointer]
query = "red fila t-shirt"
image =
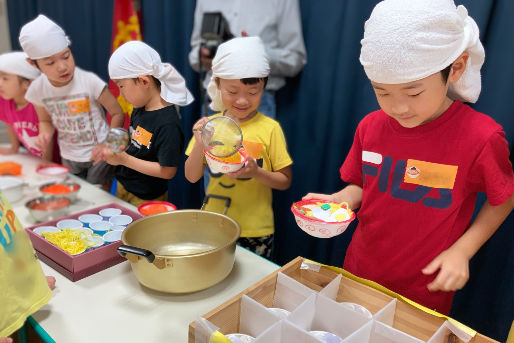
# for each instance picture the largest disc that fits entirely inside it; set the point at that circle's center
(419, 191)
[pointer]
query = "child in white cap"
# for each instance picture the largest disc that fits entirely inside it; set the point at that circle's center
(417, 164)
(16, 112)
(156, 137)
(240, 72)
(68, 100)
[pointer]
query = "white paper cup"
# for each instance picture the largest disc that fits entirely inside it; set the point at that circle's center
(112, 236)
(69, 224)
(101, 227)
(41, 229)
(87, 219)
(122, 219)
(108, 212)
(118, 227)
(86, 230)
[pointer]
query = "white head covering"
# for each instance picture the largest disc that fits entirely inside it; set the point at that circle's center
(408, 40)
(238, 58)
(16, 63)
(136, 58)
(42, 38)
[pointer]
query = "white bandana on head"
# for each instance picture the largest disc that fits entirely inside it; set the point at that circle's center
(136, 58)
(407, 40)
(238, 58)
(16, 63)
(42, 38)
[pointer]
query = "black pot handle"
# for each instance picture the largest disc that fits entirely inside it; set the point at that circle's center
(127, 249)
(220, 197)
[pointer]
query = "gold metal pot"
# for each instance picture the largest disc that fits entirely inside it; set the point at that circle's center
(181, 251)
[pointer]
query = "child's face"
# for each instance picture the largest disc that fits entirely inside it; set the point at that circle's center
(414, 103)
(11, 86)
(240, 100)
(134, 91)
(58, 68)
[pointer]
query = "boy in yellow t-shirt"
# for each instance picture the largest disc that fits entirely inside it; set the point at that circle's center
(24, 288)
(240, 72)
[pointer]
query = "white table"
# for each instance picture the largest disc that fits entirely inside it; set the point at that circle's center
(111, 306)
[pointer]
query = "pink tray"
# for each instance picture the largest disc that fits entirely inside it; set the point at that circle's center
(76, 267)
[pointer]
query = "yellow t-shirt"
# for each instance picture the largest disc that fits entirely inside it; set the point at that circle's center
(250, 205)
(22, 282)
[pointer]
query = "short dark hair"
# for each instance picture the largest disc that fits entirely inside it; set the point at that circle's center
(249, 80)
(446, 72)
(153, 78)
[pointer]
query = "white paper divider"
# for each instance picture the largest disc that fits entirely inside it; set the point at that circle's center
(289, 293)
(323, 314)
(203, 330)
(386, 313)
(441, 335)
(382, 333)
(285, 331)
(331, 290)
(255, 318)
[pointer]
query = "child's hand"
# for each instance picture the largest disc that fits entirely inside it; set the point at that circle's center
(114, 158)
(50, 280)
(42, 140)
(97, 154)
(453, 266)
(319, 196)
(248, 171)
(6, 340)
(197, 130)
(7, 151)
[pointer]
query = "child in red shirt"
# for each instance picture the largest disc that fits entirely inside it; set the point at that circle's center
(417, 164)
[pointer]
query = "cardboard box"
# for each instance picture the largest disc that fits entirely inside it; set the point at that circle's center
(406, 317)
(82, 265)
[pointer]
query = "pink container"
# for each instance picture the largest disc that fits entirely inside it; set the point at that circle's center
(76, 267)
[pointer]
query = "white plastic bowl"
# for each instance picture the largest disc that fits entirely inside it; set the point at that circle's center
(217, 165)
(11, 187)
(41, 229)
(112, 236)
(69, 224)
(53, 171)
(122, 219)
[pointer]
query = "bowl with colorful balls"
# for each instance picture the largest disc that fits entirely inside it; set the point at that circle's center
(61, 189)
(321, 218)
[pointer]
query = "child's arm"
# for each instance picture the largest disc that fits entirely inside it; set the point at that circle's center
(145, 167)
(15, 143)
(453, 263)
(280, 179)
(46, 132)
(194, 166)
(352, 194)
(107, 100)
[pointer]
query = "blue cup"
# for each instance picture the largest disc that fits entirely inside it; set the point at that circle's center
(101, 227)
(87, 219)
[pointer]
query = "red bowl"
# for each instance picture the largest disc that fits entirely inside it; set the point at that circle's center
(154, 207)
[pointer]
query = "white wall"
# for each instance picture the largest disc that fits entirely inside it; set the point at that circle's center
(5, 45)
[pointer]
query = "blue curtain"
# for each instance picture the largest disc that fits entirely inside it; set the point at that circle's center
(319, 111)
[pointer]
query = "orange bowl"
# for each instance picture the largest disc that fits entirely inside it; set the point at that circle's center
(154, 207)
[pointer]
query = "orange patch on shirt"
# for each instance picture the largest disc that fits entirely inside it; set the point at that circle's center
(142, 136)
(253, 149)
(79, 106)
(430, 174)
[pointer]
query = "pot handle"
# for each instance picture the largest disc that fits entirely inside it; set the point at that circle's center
(127, 249)
(227, 201)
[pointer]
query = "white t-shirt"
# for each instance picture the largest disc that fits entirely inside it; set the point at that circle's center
(76, 114)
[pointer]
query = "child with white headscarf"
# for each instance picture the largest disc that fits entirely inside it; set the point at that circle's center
(417, 164)
(240, 71)
(156, 138)
(68, 100)
(16, 112)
